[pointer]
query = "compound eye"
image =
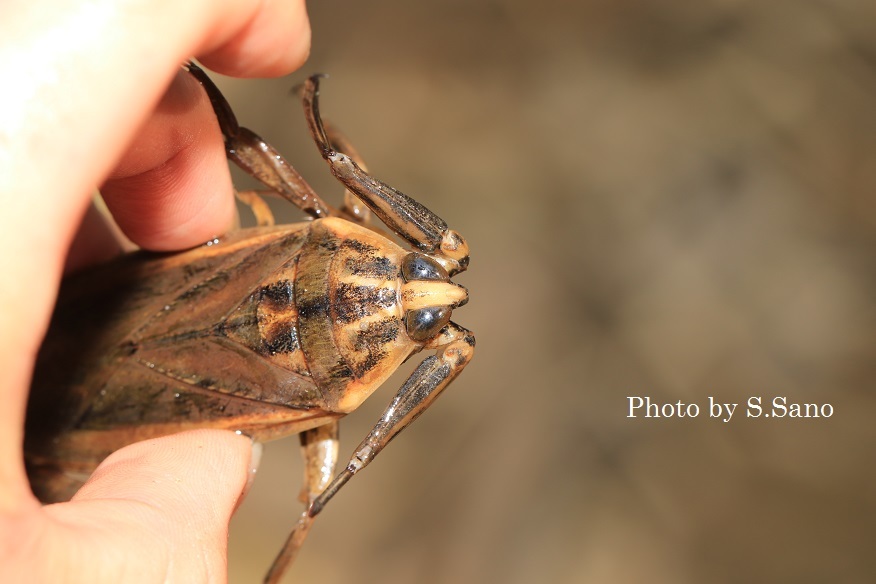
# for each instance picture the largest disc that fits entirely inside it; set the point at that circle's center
(425, 323)
(417, 266)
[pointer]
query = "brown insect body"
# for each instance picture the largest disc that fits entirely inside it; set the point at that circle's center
(165, 344)
(269, 331)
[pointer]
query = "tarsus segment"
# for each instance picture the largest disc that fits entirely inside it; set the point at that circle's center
(251, 153)
(412, 221)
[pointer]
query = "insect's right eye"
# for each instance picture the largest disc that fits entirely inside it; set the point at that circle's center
(424, 323)
(417, 266)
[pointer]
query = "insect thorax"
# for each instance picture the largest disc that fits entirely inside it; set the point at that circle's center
(350, 322)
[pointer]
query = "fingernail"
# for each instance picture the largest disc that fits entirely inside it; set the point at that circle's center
(254, 460)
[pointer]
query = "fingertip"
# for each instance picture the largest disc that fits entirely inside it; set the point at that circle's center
(276, 42)
(182, 471)
(175, 206)
(172, 189)
(159, 509)
(254, 461)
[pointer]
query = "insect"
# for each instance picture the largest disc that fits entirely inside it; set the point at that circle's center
(270, 331)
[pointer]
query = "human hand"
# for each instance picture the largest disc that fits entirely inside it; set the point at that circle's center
(84, 105)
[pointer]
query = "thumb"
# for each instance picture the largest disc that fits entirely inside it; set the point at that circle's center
(155, 511)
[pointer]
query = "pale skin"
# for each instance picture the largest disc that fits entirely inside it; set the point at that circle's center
(93, 97)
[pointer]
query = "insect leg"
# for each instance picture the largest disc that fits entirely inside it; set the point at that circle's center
(353, 206)
(455, 348)
(263, 215)
(319, 447)
(413, 222)
(258, 158)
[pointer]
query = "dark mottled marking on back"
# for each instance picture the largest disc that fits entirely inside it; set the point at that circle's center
(313, 307)
(340, 370)
(365, 260)
(372, 340)
(355, 302)
(278, 295)
(281, 338)
(377, 334)
(329, 244)
(372, 267)
(359, 246)
(278, 332)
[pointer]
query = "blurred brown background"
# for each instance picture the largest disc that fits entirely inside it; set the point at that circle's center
(666, 199)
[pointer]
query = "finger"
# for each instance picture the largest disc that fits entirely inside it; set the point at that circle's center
(265, 48)
(157, 510)
(97, 240)
(75, 109)
(172, 189)
(85, 77)
(112, 71)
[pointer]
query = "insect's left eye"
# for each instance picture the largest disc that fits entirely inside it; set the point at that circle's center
(417, 266)
(424, 323)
